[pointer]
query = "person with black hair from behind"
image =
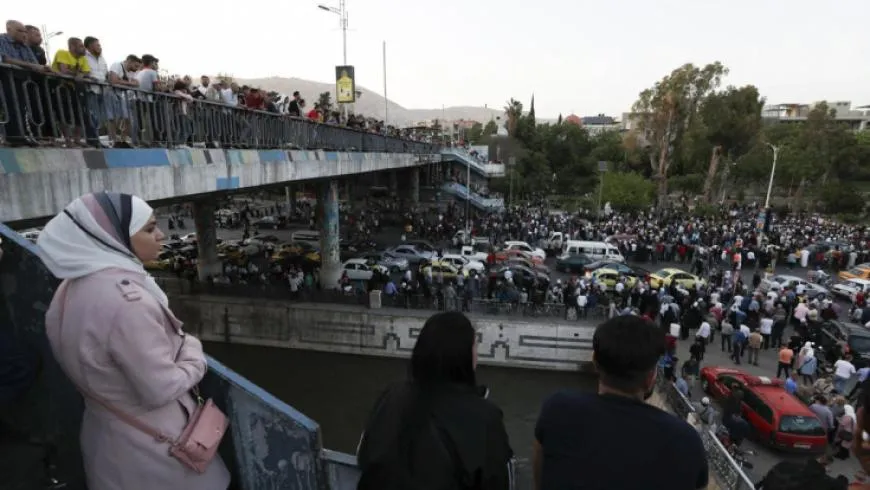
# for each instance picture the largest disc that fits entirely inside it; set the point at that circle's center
(613, 439)
(437, 431)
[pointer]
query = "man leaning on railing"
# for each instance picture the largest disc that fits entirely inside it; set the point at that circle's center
(15, 51)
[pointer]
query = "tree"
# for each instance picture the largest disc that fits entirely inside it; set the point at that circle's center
(475, 133)
(665, 111)
(731, 122)
(490, 128)
(324, 102)
(513, 111)
(627, 191)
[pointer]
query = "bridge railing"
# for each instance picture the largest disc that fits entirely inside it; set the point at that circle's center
(461, 191)
(726, 471)
(48, 109)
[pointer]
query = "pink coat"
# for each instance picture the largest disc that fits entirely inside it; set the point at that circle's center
(120, 344)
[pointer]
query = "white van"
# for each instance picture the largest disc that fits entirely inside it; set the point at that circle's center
(594, 250)
(307, 236)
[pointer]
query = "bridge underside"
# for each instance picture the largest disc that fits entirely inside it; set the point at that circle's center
(36, 183)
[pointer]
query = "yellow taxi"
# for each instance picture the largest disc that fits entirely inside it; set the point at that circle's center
(230, 252)
(161, 263)
(664, 278)
(610, 277)
(861, 271)
(446, 269)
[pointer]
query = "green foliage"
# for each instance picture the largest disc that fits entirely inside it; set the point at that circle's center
(841, 198)
(627, 191)
(688, 136)
(475, 133)
(324, 102)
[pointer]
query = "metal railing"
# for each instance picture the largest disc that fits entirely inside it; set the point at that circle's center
(466, 157)
(358, 297)
(45, 109)
(726, 471)
(461, 191)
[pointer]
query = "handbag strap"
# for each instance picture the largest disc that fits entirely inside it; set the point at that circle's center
(122, 415)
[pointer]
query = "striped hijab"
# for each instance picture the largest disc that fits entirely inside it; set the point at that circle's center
(93, 233)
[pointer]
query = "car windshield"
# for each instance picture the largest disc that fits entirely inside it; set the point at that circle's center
(805, 426)
(664, 273)
(859, 343)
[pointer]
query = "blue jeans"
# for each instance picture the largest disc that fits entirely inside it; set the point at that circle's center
(840, 384)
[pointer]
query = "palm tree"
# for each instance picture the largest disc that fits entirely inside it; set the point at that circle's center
(513, 111)
(324, 102)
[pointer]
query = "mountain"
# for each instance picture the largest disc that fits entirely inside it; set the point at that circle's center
(371, 103)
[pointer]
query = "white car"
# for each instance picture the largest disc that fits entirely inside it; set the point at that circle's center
(357, 270)
(849, 288)
(778, 282)
(525, 247)
(189, 238)
(463, 263)
(471, 254)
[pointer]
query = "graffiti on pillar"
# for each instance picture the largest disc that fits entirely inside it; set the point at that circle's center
(206, 233)
(329, 239)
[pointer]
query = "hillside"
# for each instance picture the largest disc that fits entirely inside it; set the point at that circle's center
(371, 103)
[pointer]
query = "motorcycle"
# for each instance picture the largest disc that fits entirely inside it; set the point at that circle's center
(740, 456)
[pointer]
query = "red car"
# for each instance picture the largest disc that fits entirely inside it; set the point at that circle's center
(778, 418)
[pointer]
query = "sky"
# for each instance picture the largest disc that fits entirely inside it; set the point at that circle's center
(575, 56)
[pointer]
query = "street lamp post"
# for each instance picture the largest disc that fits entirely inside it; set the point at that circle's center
(772, 173)
(341, 11)
(47, 36)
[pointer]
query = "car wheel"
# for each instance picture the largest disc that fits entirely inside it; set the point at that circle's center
(705, 385)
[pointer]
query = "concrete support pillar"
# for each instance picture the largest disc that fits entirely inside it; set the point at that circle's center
(347, 195)
(415, 185)
(394, 183)
(290, 197)
(330, 267)
(207, 263)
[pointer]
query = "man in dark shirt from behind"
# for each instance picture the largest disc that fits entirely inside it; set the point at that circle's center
(613, 439)
(34, 40)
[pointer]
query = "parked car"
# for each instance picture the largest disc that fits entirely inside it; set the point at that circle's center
(474, 253)
(525, 247)
(269, 222)
(522, 276)
(778, 418)
(610, 277)
(849, 288)
(625, 270)
(387, 261)
(573, 263)
(357, 270)
(536, 266)
(836, 338)
(410, 253)
(780, 281)
(461, 262)
(503, 255)
(665, 277)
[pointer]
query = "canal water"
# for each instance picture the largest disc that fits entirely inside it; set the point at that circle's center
(338, 390)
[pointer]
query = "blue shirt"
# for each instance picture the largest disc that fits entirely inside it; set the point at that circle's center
(13, 50)
(791, 386)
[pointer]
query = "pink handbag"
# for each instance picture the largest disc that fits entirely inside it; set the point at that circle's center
(198, 443)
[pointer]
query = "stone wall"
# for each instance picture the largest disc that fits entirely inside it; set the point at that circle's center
(392, 332)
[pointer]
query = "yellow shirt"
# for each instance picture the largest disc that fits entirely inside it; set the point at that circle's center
(64, 57)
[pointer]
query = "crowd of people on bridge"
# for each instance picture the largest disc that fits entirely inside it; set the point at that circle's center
(130, 118)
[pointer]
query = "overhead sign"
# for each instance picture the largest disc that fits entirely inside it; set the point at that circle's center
(602, 166)
(345, 84)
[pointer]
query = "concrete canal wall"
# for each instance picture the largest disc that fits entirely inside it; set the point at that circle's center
(503, 341)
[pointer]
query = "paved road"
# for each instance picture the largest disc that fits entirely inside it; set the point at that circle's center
(392, 237)
(766, 458)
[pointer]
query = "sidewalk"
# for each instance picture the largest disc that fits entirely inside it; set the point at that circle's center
(657, 400)
(765, 458)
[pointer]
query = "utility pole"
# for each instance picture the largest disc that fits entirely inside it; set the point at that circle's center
(602, 169)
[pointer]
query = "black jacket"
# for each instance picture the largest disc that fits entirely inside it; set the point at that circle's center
(447, 438)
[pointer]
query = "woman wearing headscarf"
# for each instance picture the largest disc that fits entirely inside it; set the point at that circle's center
(111, 331)
(808, 365)
(845, 432)
(435, 431)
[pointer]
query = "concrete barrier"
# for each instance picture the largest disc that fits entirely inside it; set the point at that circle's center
(389, 332)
